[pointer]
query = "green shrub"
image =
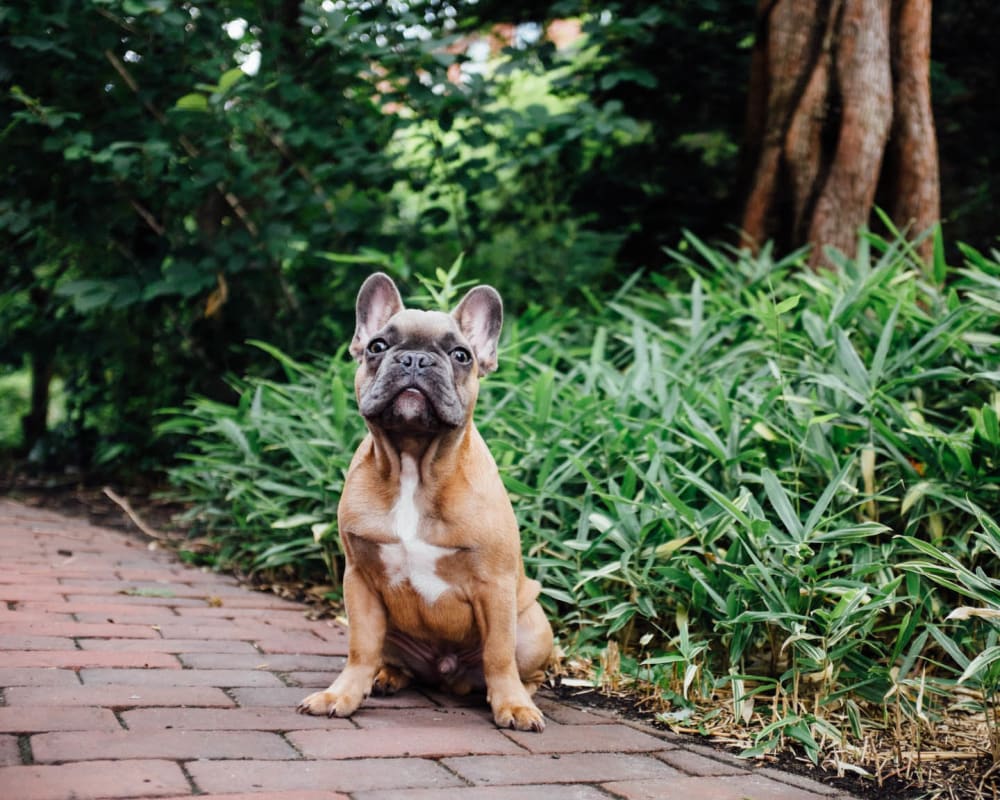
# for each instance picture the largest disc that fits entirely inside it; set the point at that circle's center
(264, 476)
(741, 477)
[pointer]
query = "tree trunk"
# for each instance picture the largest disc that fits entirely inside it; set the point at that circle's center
(34, 424)
(839, 109)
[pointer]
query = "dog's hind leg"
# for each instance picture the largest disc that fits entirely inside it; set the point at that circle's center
(390, 680)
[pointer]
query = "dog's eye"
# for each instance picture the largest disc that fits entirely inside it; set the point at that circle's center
(461, 355)
(376, 346)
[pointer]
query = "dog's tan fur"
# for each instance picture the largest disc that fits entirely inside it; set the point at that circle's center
(489, 606)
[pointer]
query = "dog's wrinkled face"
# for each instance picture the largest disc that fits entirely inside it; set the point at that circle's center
(419, 370)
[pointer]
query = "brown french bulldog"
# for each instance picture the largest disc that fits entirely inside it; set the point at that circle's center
(434, 582)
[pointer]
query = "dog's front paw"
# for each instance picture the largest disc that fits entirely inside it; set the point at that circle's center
(519, 716)
(331, 702)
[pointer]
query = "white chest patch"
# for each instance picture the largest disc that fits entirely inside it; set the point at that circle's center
(412, 559)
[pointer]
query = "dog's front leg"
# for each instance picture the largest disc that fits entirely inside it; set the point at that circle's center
(366, 638)
(496, 616)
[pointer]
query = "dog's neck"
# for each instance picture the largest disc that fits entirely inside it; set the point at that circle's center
(434, 455)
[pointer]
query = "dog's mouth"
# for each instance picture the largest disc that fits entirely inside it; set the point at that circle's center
(410, 411)
(411, 403)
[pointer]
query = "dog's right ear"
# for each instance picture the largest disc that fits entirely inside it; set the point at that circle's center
(378, 302)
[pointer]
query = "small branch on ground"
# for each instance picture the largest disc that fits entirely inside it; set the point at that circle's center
(125, 506)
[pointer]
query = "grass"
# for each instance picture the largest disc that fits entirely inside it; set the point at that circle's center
(764, 493)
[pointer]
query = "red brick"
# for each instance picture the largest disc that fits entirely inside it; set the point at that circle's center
(717, 753)
(172, 574)
(581, 767)
(35, 643)
(77, 659)
(732, 787)
(181, 677)
(146, 589)
(798, 781)
(282, 619)
(695, 764)
(228, 719)
(113, 598)
(118, 696)
(342, 776)
(43, 581)
(76, 629)
(124, 606)
(10, 751)
(189, 629)
(25, 576)
(169, 646)
(461, 718)
(279, 662)
(303, 794)
(25, 676)
(252, 599)
(95, 779)
(24, 615)
(331, 629)
(168, 744)
(304, 642)
(588, 738)
(148, 616)
(312, 680)
(290, 697)
(441, 699)
(16, 593)
(552, 791)
(48, 718)
(558, 711)
(402, 741)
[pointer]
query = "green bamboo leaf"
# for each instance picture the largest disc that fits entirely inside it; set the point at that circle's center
(851, 363)
(980, 663)
(832, 488)
(939, 266)
(295, 521)
(884, 342)
(782, 505)
(667, 549)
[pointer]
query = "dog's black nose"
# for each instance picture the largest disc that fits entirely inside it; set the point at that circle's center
(414, 360)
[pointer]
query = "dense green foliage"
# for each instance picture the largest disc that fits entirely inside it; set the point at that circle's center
(179, 178)
(749, 476)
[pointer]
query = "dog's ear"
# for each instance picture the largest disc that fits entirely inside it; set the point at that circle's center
(378, 302)
(480, 317)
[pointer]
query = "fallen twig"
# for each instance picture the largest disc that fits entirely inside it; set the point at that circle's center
(939, 755)
(124, 505)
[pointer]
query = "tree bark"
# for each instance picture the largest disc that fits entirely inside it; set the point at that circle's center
(839, 109)
(916, 199)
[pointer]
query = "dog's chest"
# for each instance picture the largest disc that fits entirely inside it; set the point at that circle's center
(410, 558)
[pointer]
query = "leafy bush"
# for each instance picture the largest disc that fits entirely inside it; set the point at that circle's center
(744, 478)
(265, 472)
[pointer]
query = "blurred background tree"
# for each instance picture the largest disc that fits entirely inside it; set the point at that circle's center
(180, 178)
(838, 109)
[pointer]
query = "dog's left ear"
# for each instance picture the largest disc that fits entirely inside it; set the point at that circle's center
(480, 317)
(378, 301)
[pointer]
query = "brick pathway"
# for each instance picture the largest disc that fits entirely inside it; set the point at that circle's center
(127, 675)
